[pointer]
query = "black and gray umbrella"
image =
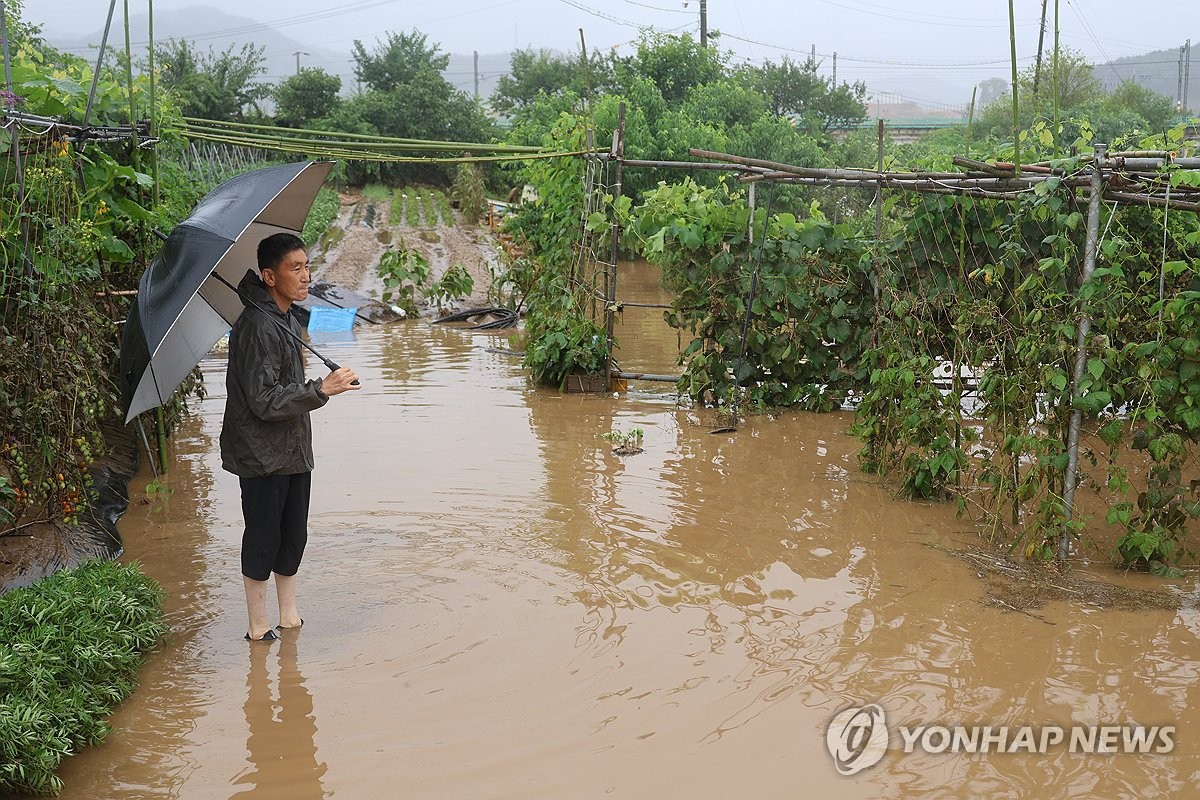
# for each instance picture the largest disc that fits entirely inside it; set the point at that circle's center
(187, 298)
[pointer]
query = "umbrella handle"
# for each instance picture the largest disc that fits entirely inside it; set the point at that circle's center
(333, 367)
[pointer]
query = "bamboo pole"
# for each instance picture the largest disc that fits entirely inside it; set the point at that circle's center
(1037, 70)
(895, 183)
(1012, 40)
(446, 145)
(330, 140)
(775, 165)
(980, 166)
(8, 84)
(635, 162)
(1152, 200)
(1090, 252)
(155, 198)
(877, 272)
(618, 153)
(1055, 82)
(646, 376)
(15, 139)
(135, 156)
(375, 156)
(971, 115)
(87, 112)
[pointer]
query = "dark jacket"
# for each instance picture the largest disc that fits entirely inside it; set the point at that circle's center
(266, 430)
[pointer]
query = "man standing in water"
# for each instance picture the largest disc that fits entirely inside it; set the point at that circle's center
(266, 436)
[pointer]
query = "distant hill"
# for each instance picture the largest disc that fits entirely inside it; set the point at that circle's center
(279, 50)
(1157, 70)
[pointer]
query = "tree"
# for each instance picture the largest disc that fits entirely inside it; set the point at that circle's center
(797, 91)
(1157, 110)
(533, 73)
(214, 85)
(1078, 89)
(676, 64)
(397, 60)
(724, 103)
(1077, 81)
(406, 96)
(840, 107)
(991, 90)
(789, 87)
(308, 95)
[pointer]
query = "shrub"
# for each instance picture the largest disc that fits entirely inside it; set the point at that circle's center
(70, 649)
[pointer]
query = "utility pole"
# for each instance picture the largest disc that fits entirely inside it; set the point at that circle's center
(1179, 82)
(1187, 74)
(835, 69)
(476, 74)
(704, 23)
(297, 54)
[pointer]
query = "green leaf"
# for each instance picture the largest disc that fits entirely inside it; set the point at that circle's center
(115, 250)
(1095, 402)
(597, 221)
(1112, 432)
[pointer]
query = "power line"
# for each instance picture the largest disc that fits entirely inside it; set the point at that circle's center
(619, 20)
(1088, 29)
(887, 62)
(657, 8)
(918, 21)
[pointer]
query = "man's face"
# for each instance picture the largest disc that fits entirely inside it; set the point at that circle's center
(288, 282)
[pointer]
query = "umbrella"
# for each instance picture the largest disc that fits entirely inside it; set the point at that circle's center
(187, 298)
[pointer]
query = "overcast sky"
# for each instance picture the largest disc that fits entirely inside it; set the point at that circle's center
(921, 49)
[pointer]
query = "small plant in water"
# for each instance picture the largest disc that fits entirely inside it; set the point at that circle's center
(625, 443)
(156, 494)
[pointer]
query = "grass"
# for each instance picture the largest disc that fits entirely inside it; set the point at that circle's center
(397, 214)
(70, 649)
(412, 209)
(428, 210)
(323, 212)
(447, 210)
(376, 191)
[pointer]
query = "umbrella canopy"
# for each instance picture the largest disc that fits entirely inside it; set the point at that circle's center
(186, 298)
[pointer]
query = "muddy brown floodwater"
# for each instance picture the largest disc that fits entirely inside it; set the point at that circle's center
(497, 606)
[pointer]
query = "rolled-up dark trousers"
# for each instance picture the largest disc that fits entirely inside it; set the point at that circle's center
(275, 508)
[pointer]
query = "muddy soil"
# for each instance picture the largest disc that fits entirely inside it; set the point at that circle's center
(364, 232)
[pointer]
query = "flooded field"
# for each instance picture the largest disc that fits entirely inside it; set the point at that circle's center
(497, 606)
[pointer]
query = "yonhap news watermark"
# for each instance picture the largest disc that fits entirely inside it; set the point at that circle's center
(858, 737)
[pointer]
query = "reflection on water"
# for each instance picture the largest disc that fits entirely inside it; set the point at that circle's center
(645, 343)
(281, 744)
(497, 606)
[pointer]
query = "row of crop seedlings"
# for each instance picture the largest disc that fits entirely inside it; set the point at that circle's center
(420, 207)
